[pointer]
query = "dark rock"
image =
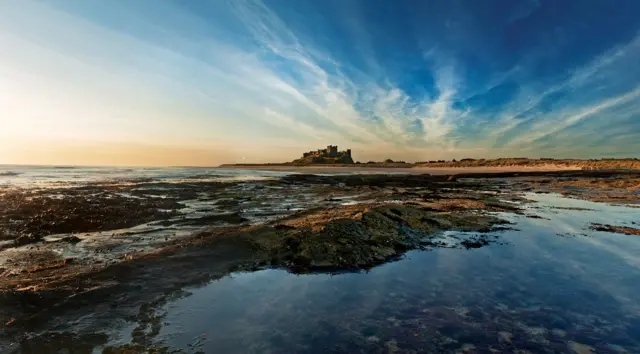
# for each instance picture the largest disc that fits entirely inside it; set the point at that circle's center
(474, 243)
(26, 239)
(70, 239)
(323, 240)
(615, 229)
(283, 227)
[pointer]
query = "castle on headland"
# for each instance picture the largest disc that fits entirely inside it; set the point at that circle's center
(330, 151)
(327, 156)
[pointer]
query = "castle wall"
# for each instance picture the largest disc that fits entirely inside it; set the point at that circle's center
(332, 151)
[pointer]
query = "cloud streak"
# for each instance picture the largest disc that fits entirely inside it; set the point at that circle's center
(251, 73)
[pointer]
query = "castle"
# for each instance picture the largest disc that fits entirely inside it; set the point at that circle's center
(330, 151)
(330, 155)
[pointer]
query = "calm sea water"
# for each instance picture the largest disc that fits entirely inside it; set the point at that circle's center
(46, 176)
(555, 287)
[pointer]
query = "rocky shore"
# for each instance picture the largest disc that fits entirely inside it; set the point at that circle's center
(302, 223)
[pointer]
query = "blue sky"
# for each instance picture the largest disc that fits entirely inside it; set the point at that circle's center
(206, 82)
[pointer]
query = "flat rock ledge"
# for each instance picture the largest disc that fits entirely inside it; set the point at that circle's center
(361, 236)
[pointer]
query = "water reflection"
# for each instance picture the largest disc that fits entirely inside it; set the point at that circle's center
(554, 287)
(542, 292)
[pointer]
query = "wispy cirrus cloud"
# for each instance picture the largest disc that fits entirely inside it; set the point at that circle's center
(249, 73)
(591, 93)
(361, 110)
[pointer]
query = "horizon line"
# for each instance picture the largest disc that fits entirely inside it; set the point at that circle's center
(62, 166)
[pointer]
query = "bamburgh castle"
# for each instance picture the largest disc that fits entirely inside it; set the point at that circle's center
(330, 155)
(330, 151)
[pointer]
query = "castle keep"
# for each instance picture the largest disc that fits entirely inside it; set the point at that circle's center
(330, 151)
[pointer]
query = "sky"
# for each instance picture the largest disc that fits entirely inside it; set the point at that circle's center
(174, 82)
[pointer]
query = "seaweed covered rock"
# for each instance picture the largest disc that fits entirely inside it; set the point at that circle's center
(356, 236)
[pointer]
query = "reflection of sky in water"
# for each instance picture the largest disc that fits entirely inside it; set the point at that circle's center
(542, 293)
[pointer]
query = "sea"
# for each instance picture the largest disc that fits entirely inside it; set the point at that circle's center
(34, 176)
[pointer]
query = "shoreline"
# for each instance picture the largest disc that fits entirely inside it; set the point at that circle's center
(300, 223)
(358, 169)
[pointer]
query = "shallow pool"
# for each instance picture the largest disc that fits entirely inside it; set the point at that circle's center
(554, 287)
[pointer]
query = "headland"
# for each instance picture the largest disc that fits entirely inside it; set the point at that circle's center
(330, 160)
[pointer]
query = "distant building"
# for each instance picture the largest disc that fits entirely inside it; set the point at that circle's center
(330, 152)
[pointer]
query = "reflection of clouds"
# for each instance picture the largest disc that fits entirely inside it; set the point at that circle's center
(576, 279)
(599, 259)
(629, 255)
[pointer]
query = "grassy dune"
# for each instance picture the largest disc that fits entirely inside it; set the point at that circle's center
(602, 164)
